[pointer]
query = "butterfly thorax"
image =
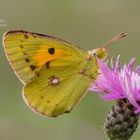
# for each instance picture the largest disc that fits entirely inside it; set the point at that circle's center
(90, 69)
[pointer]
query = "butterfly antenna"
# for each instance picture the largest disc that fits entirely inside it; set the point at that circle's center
(117, 37)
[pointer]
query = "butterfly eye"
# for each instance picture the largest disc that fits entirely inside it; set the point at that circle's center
(51, 50)
(94, 54)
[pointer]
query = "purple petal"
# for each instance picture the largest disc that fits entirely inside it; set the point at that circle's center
(106, 71)
(137, 70)
(129, 92)
(137, 110)
(112, 96)
(131, 64)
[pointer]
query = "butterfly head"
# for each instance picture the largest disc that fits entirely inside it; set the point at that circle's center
(101, 53)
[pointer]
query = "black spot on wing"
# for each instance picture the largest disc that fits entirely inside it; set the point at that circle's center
(26, 36)
(47, 64)
(37, 74)
(24, 53)
(27, 60)
(42, 97)
(34, 35)
(33, 67)
(48, 101)
(51, 50)
(21, 46)
(67, 111)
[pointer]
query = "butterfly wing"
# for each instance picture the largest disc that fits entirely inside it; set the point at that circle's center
(57, 89)
(54, 71)
(28, 52)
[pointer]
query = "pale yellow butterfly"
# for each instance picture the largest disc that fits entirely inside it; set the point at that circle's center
(56, 74)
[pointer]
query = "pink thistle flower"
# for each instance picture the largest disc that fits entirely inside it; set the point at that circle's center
(118, 83)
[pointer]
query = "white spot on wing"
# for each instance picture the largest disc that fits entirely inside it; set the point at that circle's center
(54, 80)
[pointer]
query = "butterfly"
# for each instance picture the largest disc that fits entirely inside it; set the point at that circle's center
(56, 74)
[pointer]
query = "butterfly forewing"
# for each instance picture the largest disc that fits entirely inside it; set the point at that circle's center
(28, 52)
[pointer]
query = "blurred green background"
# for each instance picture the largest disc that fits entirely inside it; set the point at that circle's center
(88, 23)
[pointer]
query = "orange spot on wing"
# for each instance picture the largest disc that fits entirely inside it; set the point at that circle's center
(42, 56)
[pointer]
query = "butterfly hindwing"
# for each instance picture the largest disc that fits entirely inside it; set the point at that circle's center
(57, 89)
(28, 52)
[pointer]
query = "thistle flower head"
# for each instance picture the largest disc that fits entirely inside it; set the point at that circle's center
(119, 83)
